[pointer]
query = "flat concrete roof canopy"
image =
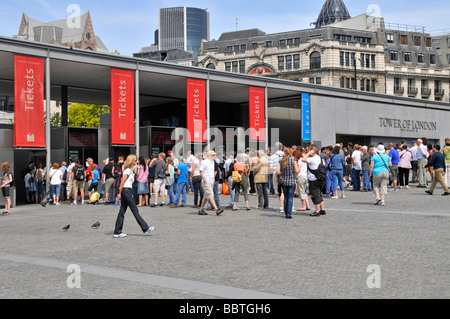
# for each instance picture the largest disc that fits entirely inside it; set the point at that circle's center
(87, 75)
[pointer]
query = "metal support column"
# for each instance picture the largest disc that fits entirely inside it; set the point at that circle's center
(208, 113)
(138, 115)
(48, 118)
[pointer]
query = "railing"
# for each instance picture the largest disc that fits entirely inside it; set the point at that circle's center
(413, 91)
(404, 27)
(399, 90)
(426, 91)
(439, 93)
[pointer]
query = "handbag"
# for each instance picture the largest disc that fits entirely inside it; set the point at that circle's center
(226, 189)
(391, 175)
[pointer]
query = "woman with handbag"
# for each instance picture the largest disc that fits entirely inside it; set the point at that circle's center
(380, 171)
(143, 189)
(240, 181)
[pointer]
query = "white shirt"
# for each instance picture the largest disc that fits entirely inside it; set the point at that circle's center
(303, 169)
(69, 170)
(313, 164)
(130, 179)
(358, 160)
(189, 162)
(207, 168)
(56, 176)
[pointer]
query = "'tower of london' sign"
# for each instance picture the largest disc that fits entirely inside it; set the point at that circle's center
(408, 125)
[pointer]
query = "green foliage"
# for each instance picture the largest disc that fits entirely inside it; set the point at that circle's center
(86, 115)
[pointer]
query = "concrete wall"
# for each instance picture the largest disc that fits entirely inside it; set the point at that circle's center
(334, 115)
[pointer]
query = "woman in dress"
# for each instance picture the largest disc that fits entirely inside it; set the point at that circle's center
(5, 184)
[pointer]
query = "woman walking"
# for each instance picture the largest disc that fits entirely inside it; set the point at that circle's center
(260, 174)
(5, 184)
(379, 170)
(127, 200)
(288, 171)
(196, 180)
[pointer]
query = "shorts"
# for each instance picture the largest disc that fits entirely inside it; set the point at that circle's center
(380, 183)
(78, 186)
(159, 186)
(208, 191)
(69, 188)
(109, 185)
(394, 170)
(5, 192)
(315, 188)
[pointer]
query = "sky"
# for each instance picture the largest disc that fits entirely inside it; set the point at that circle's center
(127, 26)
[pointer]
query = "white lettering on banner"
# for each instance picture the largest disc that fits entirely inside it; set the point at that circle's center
(196, 106)
(29, 92)
(123, 99)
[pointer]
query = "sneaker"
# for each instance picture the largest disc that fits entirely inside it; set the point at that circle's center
(153, 206)
(322, 212)
(429, 193)
(446, 194)
(383, 203)
(202, 213)
(120, 236)
(82, 202)
(57, 204)
(377, 201)
(74, 204)
(334, 197)
(393, 190)
(151, 229)
(219, 212)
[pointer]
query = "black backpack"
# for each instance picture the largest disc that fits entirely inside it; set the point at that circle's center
(320, 173)
(117, 174)
(79, 174)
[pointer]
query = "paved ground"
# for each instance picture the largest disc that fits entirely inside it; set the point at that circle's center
(244, 255)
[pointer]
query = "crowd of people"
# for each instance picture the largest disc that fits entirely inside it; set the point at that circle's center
(309, 174)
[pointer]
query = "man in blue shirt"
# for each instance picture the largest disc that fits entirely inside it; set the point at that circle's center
(394, 155)
(437, 161)
(182, 185)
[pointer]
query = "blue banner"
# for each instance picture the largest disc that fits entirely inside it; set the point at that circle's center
(306, 118)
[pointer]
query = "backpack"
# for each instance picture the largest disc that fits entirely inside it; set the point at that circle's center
(162, 173)
(79, 174)
(117, 173)
(236, 177)
(13, 182)
(320, 173)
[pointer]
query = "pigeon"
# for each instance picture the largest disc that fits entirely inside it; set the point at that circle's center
(96, 225)
(66, 228)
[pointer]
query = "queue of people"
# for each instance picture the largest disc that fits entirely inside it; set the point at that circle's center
(293, 172)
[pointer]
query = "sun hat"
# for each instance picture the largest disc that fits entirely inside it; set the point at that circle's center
(381, 149)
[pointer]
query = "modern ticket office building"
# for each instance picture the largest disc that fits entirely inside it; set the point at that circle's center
(161, 97)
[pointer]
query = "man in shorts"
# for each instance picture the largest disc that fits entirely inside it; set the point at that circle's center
(159, 185)
(78, 172)
(207, 170)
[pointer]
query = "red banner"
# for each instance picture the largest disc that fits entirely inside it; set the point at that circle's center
(196, 111)
(29, 114)
(122, 107)
(257, 114)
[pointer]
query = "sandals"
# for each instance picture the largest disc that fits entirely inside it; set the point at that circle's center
(6, 213)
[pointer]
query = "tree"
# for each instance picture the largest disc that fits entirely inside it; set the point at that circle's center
(86, 115)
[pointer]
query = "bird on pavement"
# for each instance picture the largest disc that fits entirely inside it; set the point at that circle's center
(96, 225)
(66, 228)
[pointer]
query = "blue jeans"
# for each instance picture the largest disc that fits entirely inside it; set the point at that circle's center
(55, 190)
(289, 192)
(366, 179)
(356, 179)
(171, 196)
(181, 191)
(128, 201)
(216, 193)
(338, 179)
(232, 191)
(270, 184)
(191, 185)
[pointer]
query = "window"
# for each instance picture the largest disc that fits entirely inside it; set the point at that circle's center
(407, 57)
(394, 55)
(362, 59)
(342, 83)
(315, 60)
(404, 39)
(268, 43)
(437, 43)
(397, 84)
(372, 59)
(297, 41)
(367, 61)
(311, 80)
(289, 62)
(420, 58)
(432, 58)
(341, 58)
(374, 85)
(411, 85)
(235, 65)
(319, 81)
(282, 43)
(236, 48)
(242, 66)
(281, 63)
(296, 61)
(448, 58)
(362, 84)
(254, 45)
(228, 66)
(229, 48)
(347, 83)
(389, 38)
(290, 41)
(243, 47)
(347, 59)
(428, 42)
(417, 41)
(353, 57)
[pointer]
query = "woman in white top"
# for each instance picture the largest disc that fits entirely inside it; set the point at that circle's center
(127, 199)
(302, 180)
(55, 183)
(196, 180)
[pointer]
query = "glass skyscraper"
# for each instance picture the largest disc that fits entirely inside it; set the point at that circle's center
(183, 28)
